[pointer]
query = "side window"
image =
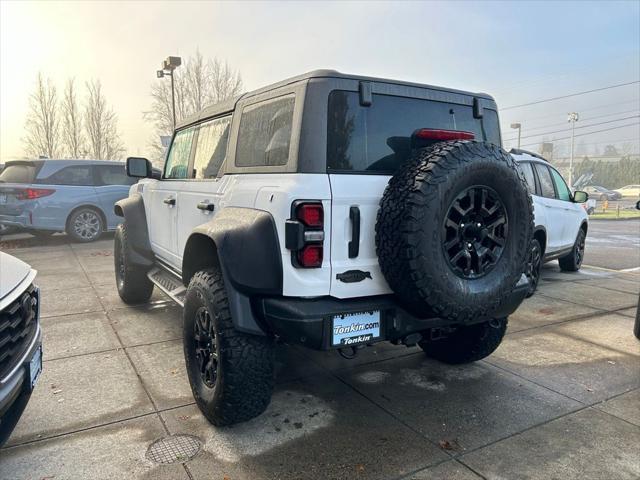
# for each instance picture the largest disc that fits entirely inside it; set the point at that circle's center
(78, 175)
(113, 175)
(265, 133)
(561, 187)
(546, 184)
(211, 147)
(527, 170)
(177, 165)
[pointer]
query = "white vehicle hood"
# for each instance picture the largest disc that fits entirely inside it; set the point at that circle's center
(12, 273)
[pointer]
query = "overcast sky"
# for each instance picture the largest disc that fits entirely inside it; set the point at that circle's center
(519, 52)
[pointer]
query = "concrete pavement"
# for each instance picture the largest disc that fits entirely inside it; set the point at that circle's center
(560, 398)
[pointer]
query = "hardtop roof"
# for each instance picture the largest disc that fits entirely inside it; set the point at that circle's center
(70, 161)
(227, 106)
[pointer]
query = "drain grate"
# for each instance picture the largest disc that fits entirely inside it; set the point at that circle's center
(174, 448)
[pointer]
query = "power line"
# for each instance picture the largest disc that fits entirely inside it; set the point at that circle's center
(609, 142)
(581, 126)
(635, 101)
(570, 95)
(583, 134)
(564, 123)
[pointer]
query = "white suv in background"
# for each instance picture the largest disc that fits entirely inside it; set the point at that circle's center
(561, 223)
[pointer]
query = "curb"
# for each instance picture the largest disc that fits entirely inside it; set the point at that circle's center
(613, 219)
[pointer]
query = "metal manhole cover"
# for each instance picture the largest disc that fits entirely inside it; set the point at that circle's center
(174, 448)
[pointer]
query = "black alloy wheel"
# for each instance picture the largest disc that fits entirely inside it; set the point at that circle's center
(205, 347)
(533, 267)
(475, 232)
(121, 268)
(579, 248)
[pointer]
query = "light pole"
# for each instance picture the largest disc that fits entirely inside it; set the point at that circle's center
(168, 66)
(519, 127)
(572, 118)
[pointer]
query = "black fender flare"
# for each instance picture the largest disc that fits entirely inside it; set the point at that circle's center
(541, 230)
(132, 210)
(243, 243)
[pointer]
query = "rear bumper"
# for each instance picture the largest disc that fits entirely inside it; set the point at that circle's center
(20, 221)
(309, 322)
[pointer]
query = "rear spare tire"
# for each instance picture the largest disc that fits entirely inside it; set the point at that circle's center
(453, 230)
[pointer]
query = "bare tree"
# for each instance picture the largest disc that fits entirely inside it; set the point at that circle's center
(627, 148)
(72, 136)
(225, 82)
(198, 83)
(42, 125)
(101, 125)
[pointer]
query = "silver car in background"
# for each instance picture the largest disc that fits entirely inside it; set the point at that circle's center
(20, 340)
(72, 196)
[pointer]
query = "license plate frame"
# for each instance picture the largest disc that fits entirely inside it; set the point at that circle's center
(35, 367)
(357, 328)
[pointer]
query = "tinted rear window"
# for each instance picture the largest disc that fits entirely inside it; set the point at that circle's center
(76, 175)
(265, 133)
(527, 169)
(546, 184)
(113, 175)
(377, 139)
(19, 173)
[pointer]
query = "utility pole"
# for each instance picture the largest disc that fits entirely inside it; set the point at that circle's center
(168, 66)
(572, 118)
(519, 127)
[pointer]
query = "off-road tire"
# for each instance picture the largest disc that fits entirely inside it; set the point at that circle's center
(534, 265)
(467, 344)
(409, 236)
(134, 287)
(245, 367)
(78, 214)
(572, 261)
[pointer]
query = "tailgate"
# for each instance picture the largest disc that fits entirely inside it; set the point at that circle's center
(355, 274)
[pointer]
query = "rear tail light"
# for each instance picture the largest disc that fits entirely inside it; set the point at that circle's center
(311, 214)
(304, 234)
(33, 193)
(310, 256)
(442, 135)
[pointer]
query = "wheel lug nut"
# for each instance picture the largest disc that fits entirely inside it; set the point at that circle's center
(469, 245)
(479, 225)
(462, 225)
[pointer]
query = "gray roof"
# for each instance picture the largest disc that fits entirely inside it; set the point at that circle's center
(229, 105)
(69, 161)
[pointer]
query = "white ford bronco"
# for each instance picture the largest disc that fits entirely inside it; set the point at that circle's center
(332, 211)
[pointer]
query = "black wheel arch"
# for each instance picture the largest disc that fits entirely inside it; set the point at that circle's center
(584, 226)
(540, 234)
(132, 210)
(243, 243)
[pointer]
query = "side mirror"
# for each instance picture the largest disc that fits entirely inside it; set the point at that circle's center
(138, 167)
(580, 197)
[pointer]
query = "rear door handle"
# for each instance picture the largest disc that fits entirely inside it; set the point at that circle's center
(205, 206)
(354, 244)
(169, 201)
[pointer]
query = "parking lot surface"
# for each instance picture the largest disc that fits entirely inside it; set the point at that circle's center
(560, 398)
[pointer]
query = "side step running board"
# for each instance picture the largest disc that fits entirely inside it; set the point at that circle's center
(169, 283)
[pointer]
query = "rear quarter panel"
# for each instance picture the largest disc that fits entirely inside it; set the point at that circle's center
(275, 193)
(51, 212)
